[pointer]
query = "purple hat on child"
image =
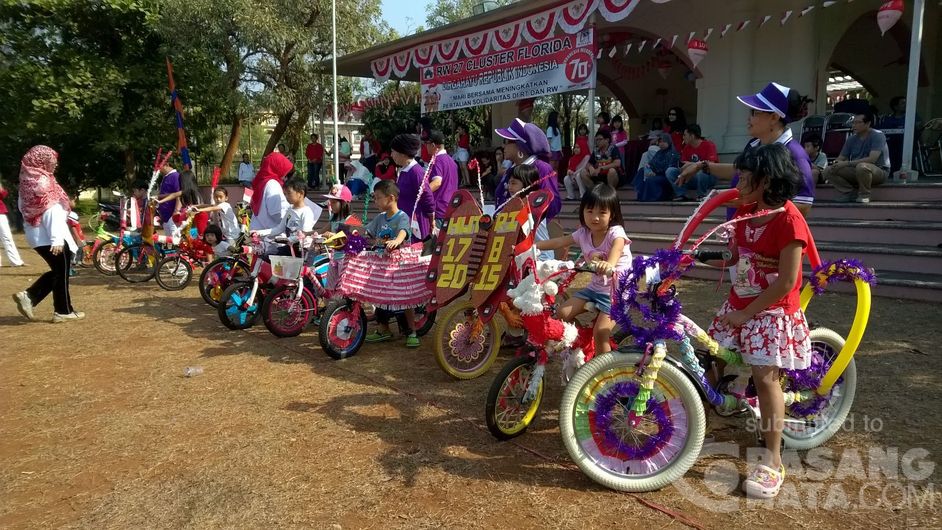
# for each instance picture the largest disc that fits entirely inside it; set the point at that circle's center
(529, 137)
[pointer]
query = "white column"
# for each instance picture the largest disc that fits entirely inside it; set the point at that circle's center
(909, 128)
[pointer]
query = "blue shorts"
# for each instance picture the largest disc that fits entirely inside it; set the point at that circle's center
(602, 301)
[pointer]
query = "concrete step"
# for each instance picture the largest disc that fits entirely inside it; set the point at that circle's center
(840, 230)
(888, 258)
(925, 287)
(877, 211)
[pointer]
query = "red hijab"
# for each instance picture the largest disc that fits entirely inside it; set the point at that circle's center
(273, 167)
(38, 187)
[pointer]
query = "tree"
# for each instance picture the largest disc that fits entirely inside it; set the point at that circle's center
(444, 12)
(86, 81)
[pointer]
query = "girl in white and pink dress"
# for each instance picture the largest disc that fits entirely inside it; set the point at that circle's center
(604, 243)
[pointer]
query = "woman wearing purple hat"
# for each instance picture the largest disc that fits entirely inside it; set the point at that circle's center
(526, 143)
(770, 112)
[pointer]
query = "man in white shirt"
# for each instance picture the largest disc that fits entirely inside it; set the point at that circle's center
(246, 171)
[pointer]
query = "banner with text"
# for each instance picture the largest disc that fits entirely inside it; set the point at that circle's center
(551, 66)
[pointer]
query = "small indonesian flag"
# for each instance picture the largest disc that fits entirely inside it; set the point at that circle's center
(525, 219)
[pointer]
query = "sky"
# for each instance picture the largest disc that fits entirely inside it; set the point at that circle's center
(403, 15)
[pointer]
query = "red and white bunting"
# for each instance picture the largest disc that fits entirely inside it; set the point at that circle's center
(540, 26)
(506, 36)
(615, 10)
(401, 63)
(570, 17)
(381, 69)
(573, 16)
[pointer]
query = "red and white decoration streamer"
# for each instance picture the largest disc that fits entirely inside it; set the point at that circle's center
(571, 17)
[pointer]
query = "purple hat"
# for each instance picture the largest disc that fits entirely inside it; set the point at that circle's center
(773, 98)
(529, 138)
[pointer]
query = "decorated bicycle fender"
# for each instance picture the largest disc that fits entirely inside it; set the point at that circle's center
(514, 228)
(458, 250)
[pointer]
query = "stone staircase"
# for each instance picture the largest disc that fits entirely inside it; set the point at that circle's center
(899, 234)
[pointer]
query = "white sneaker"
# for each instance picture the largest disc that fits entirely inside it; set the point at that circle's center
(57, 318)
(863, 200)
(23, 304)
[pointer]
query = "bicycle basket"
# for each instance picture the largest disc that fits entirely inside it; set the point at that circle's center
(286, 267)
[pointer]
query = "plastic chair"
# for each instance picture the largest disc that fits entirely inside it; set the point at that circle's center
(812, 125)
(929, 144)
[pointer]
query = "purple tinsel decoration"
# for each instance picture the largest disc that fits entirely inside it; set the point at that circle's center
(355, 244)
(845, 270)
(621, 395)
(810, 379)
(660, 310)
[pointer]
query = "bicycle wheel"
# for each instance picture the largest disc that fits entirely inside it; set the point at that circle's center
(94, 221)
(219, 275)
(594, 423)
(286, 314)
(341, 331)
(825, 414)
(174, 273)
(103, 258)
(234, 309)
(137, 263)
(507, 411)
(465, 347)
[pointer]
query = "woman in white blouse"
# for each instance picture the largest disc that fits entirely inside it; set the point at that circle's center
(45, 207)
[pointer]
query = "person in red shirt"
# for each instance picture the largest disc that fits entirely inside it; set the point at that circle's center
(762, 319)
(385, 169)
(315, 161)
(695, 150)
(463, 153)
(369, 150)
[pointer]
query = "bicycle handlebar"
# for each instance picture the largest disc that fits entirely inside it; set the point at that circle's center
(710, 255)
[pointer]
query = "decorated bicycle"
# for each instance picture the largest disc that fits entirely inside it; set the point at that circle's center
(474, 256)
(101, 251)
(635, 419)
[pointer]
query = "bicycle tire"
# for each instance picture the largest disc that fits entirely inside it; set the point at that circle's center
(835, 407)
(299, 310)
(230, 310)
(513, 379)
(597, 441)
(341, 333)
(212, 283)
(462, 351)
(173, 273)
(138, 263)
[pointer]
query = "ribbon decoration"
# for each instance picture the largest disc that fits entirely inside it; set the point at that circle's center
(182, 147)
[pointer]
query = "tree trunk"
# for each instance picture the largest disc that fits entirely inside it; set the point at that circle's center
(283, 121)
(235, 133)
(295, 130)
(130, 168)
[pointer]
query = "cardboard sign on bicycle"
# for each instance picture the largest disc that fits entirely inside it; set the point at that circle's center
(457, 252)
(489, 286)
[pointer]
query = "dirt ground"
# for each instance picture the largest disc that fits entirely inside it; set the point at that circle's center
(101, 429)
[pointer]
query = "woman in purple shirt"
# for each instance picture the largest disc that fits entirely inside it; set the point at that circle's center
(526, 143)
(443, 178)
(770, 112)
(404, 149)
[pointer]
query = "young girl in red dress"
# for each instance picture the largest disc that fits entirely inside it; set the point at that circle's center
(762, 319)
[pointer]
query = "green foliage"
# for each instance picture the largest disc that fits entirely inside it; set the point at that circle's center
(444, 12)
